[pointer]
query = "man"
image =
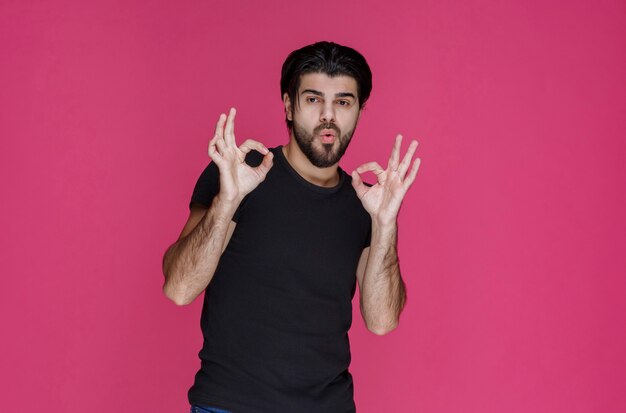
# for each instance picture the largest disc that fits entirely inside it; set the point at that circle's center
(278, 238)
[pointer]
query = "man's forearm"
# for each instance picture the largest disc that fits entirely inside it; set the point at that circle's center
(189, 264)
(383, 293)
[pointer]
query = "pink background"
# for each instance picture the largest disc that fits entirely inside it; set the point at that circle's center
(512, 238)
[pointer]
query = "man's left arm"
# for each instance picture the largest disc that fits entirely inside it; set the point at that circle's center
(382, 290)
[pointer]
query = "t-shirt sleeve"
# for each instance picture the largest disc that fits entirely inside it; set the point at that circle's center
(207, 186)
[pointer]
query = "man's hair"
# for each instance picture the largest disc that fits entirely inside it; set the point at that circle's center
(329, 58)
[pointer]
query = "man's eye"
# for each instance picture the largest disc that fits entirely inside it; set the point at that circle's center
(344, 103)
(311, 99)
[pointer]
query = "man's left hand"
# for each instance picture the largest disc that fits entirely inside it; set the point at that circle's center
(383, 199)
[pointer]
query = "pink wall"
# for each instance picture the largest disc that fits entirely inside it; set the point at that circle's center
(512, 238)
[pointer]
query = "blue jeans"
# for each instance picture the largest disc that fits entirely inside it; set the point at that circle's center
(204, 409)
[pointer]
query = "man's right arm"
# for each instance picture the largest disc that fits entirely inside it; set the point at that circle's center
(189, 264)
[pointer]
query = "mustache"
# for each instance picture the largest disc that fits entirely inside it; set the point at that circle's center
(326, 126)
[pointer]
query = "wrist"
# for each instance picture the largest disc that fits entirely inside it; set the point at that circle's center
(226, 205)
(383, 222)
(384, 227)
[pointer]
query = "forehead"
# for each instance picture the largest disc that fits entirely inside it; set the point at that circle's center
(328, 85)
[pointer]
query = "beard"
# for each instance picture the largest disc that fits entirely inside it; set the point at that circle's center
(328, 155)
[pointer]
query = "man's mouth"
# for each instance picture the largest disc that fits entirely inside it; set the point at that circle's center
(328, 136)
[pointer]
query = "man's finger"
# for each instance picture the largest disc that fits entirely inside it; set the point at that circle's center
(221, 146)
(406, 161)
(394, 159)
(213, 153)
(358, 185)
(219, 127)
(370, 166)
(229, 131)
(251, 144)
(266, 164)
(212, 143)
(411, 177)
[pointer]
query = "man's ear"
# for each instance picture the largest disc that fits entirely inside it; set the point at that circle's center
(288, 108)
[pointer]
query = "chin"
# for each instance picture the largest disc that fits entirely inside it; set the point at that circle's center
(327, 156)
(321, 155)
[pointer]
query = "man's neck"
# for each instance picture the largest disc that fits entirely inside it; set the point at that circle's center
(325, 177)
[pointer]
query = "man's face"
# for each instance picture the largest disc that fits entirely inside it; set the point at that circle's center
(326, 117)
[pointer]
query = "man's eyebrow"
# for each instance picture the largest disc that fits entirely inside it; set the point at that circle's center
(345, 95)
(337, 95)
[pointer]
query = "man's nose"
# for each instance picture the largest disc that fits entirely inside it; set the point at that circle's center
(328, 113)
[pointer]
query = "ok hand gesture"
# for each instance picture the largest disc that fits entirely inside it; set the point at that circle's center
(383, 199)
(237, 179)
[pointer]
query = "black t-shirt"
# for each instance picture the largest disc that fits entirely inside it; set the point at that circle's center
(276, 314)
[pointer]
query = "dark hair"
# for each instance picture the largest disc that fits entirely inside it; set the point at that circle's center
(329, 58)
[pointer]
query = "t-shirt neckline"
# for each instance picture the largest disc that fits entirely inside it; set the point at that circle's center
(278, 152)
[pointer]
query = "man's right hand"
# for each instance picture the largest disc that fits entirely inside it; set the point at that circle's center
(237, 179)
